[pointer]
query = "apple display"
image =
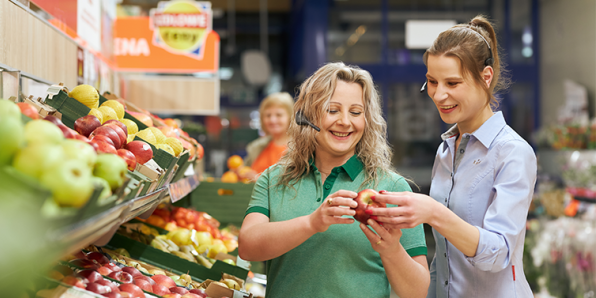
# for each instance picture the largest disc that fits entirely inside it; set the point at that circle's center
(160, 289)
(53, 119)
(143, 284)
(163, 280)
(145, 277)
(122, 277)
(200, 292)
(103, 147)
(132, 271)
(365, 202)
(41, 131)
(97, 288)
(74, 281)
(179, 290)
(98, 257)
(35, 159)
(90, 274)
(102, 138)
(113, 267)
(78, 150)
(9, 109)
(70, 183)
(112, 285)
(86, 125)
(103, 270)
(130, 158)
(108, 132)
(112, 168)
(11, 138)
(67, 132)
(141, 150)
(84, 263)
(132, 289)
(122, 134)
(120, 124)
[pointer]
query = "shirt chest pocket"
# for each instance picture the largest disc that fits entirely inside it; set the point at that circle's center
(480, 193)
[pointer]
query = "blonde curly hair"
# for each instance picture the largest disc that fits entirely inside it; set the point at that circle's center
(313, 100)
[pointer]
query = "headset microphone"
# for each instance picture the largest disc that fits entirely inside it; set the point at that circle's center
(301, 120)
(423, 87)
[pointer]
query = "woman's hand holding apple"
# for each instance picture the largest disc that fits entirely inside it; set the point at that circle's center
(412, 209)
(386, 240)
(331, 212)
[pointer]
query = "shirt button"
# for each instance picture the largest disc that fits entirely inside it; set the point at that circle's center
(319, 199)
(327, 187)
(445, 200)
(445, 254)
(462, 150)
(446, 282)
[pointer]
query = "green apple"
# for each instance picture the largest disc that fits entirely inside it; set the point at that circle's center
(106, 192)
(79, 150)
(9, 109)
(11, 138)
(35, 159)
(42, 131)
(112, 168)
(70, 183)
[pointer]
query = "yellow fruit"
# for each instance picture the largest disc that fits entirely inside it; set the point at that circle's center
(166, 148)
(108, 113)
(180, 237)
(130, 138)
(147, 136)
(159, 136)
(97, 113)
(175, 144)
(229, 177)
(86, 95)
(132, 126)
(215, 249)
(118, 107)
(234, 162)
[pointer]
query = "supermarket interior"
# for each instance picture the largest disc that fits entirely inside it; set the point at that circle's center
(133, 134)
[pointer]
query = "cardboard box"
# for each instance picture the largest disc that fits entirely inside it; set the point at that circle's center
(215, 290)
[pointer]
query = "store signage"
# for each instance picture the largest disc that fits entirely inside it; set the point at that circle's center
(89, 22)
(177, 37)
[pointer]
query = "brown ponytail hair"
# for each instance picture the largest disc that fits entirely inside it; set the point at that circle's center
(462, 41)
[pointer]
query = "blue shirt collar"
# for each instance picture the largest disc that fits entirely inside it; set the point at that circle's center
(486, 133)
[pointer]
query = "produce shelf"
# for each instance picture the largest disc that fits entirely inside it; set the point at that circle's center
(183, 187)
(144, 206)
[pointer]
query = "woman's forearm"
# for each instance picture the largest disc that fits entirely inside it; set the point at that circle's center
(458, 232)
(267, 240)
(408, 276)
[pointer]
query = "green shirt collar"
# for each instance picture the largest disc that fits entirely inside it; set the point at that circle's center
(353, 166)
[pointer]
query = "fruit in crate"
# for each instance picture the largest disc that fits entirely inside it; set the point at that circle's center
(35, 159)
(121, 276)
(131, 126)
(120, 124)
(11, 138)
(108, 113)
(166, 148)
(108, 132)
(159, 136)
(175, 144)
(232, 284)
(97, 113)
(112, 168)
(122, 133)
(9, 109)
(113, 286)
(365, 202)
(132, 289)
(87, 124)
(102, 146)
(163, 280)
(145, 119)
(143, 284)
(90, 274)
(235, 162)
(141, 150)
(160, 290)
(74, 281)
(70, 183)
(41, 131)
(147, 136)
(134, 272)
(130, 158)
(105, 186)
(178, 290)
(116, 106)
(86, 95)
(79, 150)
(229, 177)
(67, 132)
(28, 110)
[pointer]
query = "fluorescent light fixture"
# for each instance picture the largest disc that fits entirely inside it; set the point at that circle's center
(420, 34)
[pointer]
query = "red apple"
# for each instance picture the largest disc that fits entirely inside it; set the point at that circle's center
(98, 257)
(112, 285)
(191, 295)
(82, 138)
(132, 289)
(104, 147)
(120, 124)
(103, 138)
(74, 281)
(143, 284)
(364, 202)
(141, 150)
(122, 134)
(132, 271)
(97, 288)
(200, 292)
(90, 275)
(85, 264)
(28, 110)
(130, 158)
(67, 132)
(108, 132)
(179, 290)
(122, 277)
(113, 267)
(53, 119)
(172, 295)
(163, 280)
(145, 277)
(160, 290)
(103, 270)
(112, 295)
(86, 125)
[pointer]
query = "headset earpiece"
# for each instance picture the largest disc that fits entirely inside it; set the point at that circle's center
(423, 87)
(302, 120)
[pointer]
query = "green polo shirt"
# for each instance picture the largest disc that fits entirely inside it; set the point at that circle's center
(339, 262)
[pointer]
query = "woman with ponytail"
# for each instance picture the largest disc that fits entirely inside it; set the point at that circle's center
(482, 179)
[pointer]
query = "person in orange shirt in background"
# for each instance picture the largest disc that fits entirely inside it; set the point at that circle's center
(275, 112)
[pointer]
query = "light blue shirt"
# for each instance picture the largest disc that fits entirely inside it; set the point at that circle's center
(488, 182)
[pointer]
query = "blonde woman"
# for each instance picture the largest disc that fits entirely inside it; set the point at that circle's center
(297, 219)
(275, 113)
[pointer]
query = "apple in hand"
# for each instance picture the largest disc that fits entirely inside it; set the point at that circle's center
(112, 168)
(122, 277)
(132, 289)
(365, 202)
(108, 132)
(86, 125)
(130, 158)
(141, 150)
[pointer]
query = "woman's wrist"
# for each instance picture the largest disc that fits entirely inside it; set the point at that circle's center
(436, 214)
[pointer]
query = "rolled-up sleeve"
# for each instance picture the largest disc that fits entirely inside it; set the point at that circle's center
(505, 219)
(259, 201)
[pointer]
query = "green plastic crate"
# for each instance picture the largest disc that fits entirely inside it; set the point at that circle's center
(226, 202)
